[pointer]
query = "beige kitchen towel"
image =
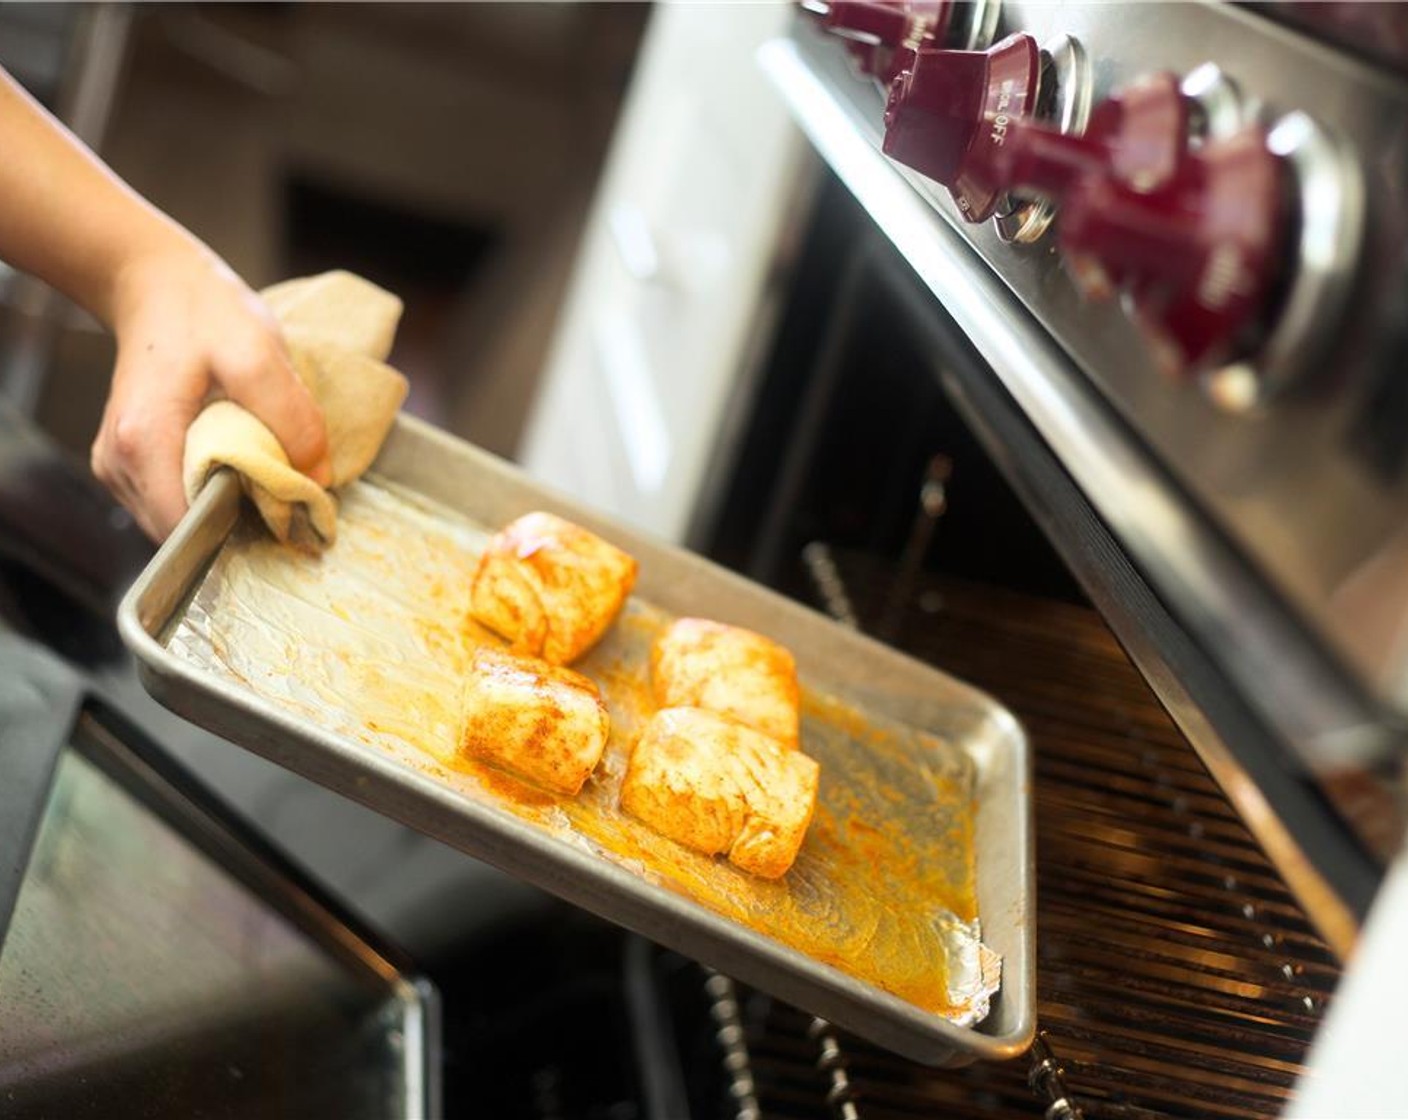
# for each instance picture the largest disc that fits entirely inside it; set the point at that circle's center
(339, 329)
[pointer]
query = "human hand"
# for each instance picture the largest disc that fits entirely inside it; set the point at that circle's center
(189, 330)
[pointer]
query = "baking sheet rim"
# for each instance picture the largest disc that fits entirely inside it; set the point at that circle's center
(731, 946)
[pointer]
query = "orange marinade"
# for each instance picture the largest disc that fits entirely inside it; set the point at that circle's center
(376, 637)
(863, 890)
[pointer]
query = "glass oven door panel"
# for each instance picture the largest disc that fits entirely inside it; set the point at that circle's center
(152, 963)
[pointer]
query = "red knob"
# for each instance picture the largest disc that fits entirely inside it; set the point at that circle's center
(884, 33)
(1194, 237)
(1139, 137)
(950, 112)
(1145, 129)
(1198, 255)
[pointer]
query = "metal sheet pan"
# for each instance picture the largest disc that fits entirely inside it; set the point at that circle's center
(344, 669)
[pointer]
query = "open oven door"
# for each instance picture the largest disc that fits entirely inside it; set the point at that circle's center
(157, 956)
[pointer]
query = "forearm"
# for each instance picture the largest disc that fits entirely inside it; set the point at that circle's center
(187, 327)
(65, 217)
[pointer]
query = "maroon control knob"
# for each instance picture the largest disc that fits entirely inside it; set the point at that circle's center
(1139, 136)
(1198, 255)
(885, 33)
(1192, 236)
(948, 114)
(964, 119)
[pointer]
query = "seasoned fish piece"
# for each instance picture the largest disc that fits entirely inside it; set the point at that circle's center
(550, 587)
(545, 723)
(718, 786)
(697, 663)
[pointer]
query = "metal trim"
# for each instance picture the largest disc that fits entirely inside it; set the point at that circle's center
(39, 701)
(1066, 64)
(1332, 203)
(1219, 109)
(1326, 869)
(982, 26)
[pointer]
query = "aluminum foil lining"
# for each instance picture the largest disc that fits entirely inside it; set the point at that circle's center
(371, 641)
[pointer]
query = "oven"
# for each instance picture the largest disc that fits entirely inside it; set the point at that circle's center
(883, 478)
(1078, 373)
(1007, 421)
(1074, 368)
(157, 956)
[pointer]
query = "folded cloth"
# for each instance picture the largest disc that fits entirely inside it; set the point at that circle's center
(339, 329)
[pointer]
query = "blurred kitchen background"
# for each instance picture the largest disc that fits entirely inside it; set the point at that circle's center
(447, 152)
(452, 154)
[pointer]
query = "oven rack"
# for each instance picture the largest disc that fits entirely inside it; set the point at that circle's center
(1177, 976)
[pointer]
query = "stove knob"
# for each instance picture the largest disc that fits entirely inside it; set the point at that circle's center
(1216, 247)
(884, 34)
(1139, 136)
(889, 23)
(1144, 130)
(1197, 254)
(949, 113)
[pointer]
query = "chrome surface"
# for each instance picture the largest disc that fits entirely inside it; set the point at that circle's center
(1047, 1078)
(1218, 102)
(981, 23)
(1080, 373)
(817, 557)
(728, 1033)
(489, 491)
(1330, 195)
(831, 1061)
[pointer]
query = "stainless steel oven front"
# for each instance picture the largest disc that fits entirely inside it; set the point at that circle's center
(1172, 239)
(1116, 292)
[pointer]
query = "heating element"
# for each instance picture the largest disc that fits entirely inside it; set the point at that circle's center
(1176, 977)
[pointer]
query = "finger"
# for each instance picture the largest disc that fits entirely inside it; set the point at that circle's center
(151, 450)
(139, 455)
(106, 471)
(267, 386)
(123, 490)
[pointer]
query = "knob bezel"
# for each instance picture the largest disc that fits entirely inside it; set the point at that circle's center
(1330, 209)
(982, 24)
(1065, 64)
(1221, 110)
